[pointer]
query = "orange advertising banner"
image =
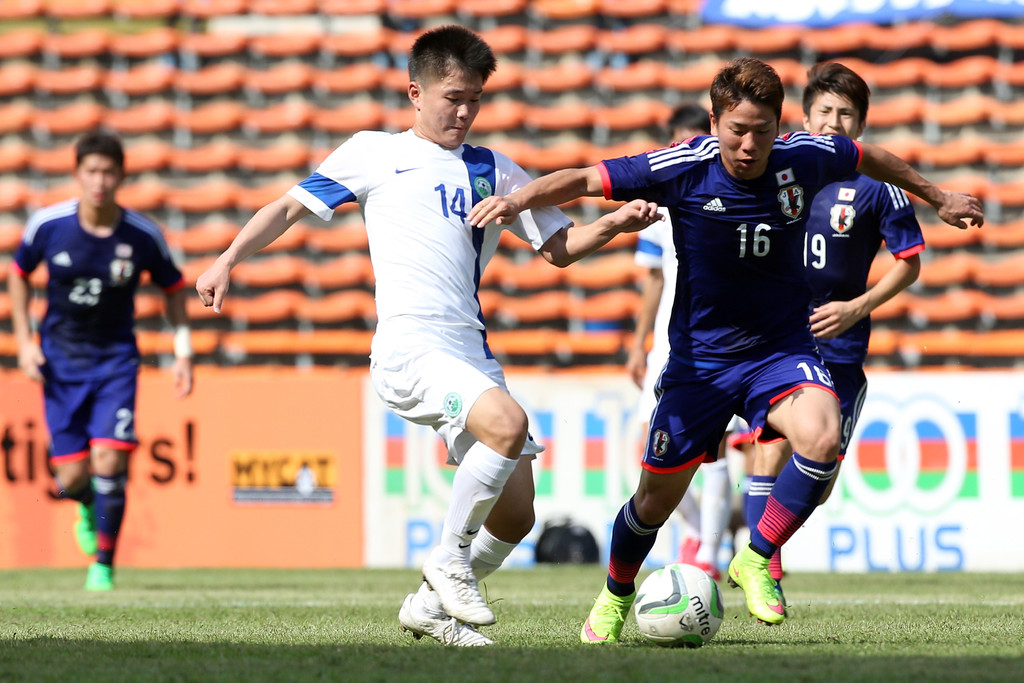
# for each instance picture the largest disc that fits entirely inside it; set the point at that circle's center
(259, 467)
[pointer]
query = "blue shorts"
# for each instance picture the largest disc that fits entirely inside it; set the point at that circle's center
(851, 386)
(91, 412)
(695, 404)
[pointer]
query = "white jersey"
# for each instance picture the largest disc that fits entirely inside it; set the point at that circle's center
(655, 249)
(415, 197)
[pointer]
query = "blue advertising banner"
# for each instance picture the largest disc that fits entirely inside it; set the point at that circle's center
(822, 13)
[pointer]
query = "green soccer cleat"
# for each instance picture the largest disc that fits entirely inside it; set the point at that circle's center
(85, 529)
(604, 624)
(749, 571)
(100, 577)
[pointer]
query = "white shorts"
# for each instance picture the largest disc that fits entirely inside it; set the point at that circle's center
(438, 388)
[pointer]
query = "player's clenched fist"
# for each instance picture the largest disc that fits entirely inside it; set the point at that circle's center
(213, 286)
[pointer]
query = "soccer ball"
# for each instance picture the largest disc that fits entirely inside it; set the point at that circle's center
(679, 606)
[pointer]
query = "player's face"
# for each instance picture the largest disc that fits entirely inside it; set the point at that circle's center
(445, 109)
(833, 114)
(98, 176)
(746, 134)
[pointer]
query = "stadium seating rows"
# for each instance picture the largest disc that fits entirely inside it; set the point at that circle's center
(218, 122)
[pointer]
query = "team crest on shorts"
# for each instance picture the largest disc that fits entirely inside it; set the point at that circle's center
(660, 442)
(791, 199)
(452, 404)
(841, 218)
(482, 187)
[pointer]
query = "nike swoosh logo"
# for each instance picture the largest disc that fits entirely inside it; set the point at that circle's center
(405, 170)
(465, 546)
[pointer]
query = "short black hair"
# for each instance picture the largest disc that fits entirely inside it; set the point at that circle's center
(99, 142)
(437, 52)
(833, 77)
(689, 115)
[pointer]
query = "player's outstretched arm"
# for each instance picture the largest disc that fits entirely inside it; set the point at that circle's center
(571, 244)
(954, 208)
(264, 227)
(831, 319)
(549, 190)
(182, 368)
(30, 356)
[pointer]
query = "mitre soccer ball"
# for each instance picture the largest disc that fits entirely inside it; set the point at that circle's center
(679, 606)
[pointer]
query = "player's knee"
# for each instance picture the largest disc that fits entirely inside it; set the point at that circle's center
(653, 508)
(509, 430)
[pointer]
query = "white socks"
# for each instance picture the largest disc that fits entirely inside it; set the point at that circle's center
(715, 509)
(487, 555)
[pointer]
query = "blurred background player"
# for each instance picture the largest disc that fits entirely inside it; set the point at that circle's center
(704, 520)
(87, 358)
(737, 200)
(849, 221)
(430, 362)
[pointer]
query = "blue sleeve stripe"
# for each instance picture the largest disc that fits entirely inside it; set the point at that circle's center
(645, 247)
(330, 192)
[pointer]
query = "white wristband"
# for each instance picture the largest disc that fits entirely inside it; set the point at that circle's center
(182, 342)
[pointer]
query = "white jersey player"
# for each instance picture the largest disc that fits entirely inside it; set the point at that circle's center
(430, 361)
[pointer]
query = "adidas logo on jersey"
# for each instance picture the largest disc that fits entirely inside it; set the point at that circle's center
(715, 205)
(62, 259)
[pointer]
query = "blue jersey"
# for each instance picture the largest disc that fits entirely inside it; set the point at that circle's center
(89, 327)
(848, 222)
(741, 289)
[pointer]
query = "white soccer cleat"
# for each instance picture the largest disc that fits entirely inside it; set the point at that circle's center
(444, 629)
(459, 593)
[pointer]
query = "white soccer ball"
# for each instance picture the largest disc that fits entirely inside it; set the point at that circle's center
(679, 606)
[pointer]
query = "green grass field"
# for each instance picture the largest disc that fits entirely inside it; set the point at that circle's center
(341, 625)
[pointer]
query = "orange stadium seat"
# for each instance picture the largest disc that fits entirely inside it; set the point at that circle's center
(603, 272)
(883, 342)
(1002, 307)
(15, 117)
(52, 195)
(279, 79)
(559, 117)
(149, 306)
(420, 9)
(941, 236)
(558, 156)
(216, 156)
(10, 238)
(1008, 113)
(208, 9)
(490, 9)
(211, 237)
(500, 116)
(902, 38)
(361, 77)
(564, 10)
(76, 9)
(342, 272)
(352, 7)
(146, 195)
(277, 307)
(489, 301)
(843, 39)
(204, 197)
(351, 305)
(14, 157)
(283, 156)
(283, 7)
(350, 118)
(1009, 36)
(531, 275)
(56, 161)
(215, 117)
(145, 9)
(154, 116)
(508, 76)
(717, 39)
(17, 79)
(563, 40)
(70, 119)
(401, 118)
(217, 79)
(20, 10)
(149, 44)
(956, 306)
(532, 343)
(21, 43)
(906, 148)
(195, 45)
(541, 307)
(637, 39)
(791, 72)
(14, 195)
(559, 78)
(1008, 75)
(905, 72)
(152, 343)
(357, 45)
(151, 78)
(578, 347)
(956, 269)
(1006, 272)
(74, 80)
(962, 151)
(977, 70)
(894, 308)
(80, 44)
(617, 305)
(275, 46)
(395, 80)
(633, 114)
(1006, 194)
(252, 199)
(897, 111)
(692, 78)
(293, 240)
(1004, 235)
(634, 147)
(632, 9)
(292, 342)
(966, 36)
(338, 239)
(771, 40)
(274, 271)
(505, 39)
(645, 74)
